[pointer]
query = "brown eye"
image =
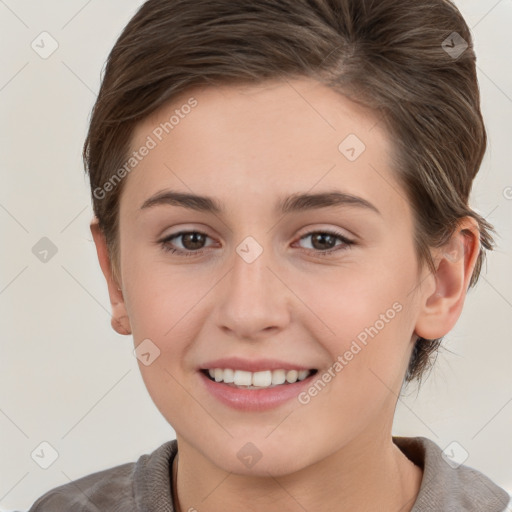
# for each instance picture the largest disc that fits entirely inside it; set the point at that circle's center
(193, 240)
(192, 243)
(324, 242)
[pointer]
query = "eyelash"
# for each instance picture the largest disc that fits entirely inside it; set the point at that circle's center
(165, 243)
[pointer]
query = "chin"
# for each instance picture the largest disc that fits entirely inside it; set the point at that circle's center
(259, 458)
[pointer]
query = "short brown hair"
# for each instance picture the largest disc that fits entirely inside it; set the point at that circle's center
(397, 57)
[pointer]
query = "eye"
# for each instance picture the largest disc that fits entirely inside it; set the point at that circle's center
(191, 240)
(325, 242)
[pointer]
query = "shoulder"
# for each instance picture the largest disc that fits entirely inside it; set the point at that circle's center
(122, 488)
(447, 484)
(104, 490)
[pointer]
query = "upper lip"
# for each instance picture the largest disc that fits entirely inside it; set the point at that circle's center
(252, 365)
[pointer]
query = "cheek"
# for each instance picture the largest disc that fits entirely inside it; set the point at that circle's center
(161, 297)
(164, 309)
(366, 316)
(348, 300)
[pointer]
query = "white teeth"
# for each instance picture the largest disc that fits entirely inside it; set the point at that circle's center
(303, 374)
(262, 379)
(291, 376)
(278, 377)
(242, 378)
(229, 376)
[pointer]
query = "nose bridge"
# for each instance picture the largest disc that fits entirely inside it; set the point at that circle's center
(253, 299)
(251, 278)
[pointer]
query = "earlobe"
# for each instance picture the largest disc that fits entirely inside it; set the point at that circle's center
(455, 262)
(120, 320)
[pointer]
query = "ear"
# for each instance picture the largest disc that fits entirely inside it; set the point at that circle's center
(454, 267)
(120, 320)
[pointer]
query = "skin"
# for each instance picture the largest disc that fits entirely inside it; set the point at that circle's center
(248, 147)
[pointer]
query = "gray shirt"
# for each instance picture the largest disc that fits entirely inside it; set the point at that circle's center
(146, 485)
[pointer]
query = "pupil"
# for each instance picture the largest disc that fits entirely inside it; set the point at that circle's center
(322, 237)
(193, 237)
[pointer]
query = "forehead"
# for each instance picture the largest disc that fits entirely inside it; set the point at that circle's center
(237, 142)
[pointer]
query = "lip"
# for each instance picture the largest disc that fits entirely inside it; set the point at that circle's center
(252, 365)
(257, 400)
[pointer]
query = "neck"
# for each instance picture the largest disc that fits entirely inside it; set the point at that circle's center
(377, 478)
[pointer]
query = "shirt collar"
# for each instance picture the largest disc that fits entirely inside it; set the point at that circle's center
(443, 487)
(450, 487)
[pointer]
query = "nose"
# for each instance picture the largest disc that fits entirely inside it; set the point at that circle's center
(253, 300)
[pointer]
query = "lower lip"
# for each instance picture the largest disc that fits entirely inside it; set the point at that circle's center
(255, 399)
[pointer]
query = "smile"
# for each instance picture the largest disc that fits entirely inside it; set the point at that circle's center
(257, 380)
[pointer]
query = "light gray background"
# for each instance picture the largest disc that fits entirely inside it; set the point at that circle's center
(68, 379)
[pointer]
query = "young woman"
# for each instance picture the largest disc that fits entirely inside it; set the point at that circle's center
(280, 191)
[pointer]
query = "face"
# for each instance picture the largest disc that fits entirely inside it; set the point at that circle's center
(324, 284)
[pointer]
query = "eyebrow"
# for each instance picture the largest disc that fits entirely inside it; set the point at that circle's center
(294, 203)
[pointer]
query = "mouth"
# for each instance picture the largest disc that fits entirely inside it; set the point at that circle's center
(265, 379)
